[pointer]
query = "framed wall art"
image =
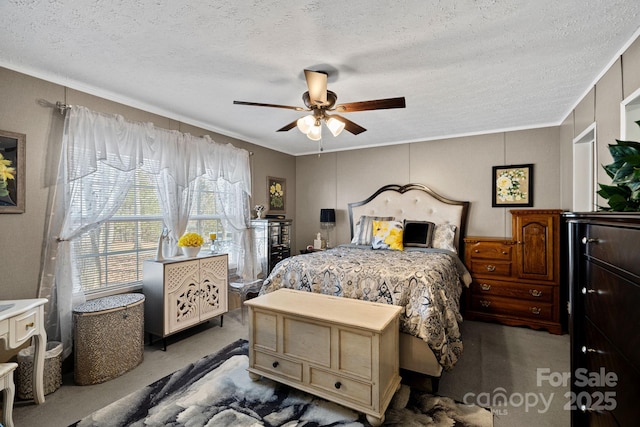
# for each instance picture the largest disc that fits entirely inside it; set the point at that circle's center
(512, 186)
(12, 172)
(276, 194)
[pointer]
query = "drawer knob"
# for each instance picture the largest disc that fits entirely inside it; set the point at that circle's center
(275, 364)
(485, 286)
(535, 293)
(505, 253)
(588, 291)
(586, 241)
(586, 350)
(476, 251)
(29, 325)
(490, 267)
(535, 310)
(338, 384)
(485, 303)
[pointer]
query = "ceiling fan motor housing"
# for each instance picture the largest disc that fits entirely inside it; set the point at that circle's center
(331, 101)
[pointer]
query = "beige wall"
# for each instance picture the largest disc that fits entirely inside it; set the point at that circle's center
(458, 168)
(21, 235)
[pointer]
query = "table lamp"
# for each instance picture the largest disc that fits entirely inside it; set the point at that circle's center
(327, 221)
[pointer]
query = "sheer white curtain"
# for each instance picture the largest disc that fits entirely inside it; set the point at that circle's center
(237, 216)
(102, 150)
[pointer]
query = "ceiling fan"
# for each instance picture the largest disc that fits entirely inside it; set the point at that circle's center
(320, 101)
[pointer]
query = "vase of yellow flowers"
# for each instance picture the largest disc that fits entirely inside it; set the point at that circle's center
(191, 244)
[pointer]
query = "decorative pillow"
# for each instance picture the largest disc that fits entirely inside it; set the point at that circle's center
(418, 233)
(364, 229)
(444, 237)
(387, 235)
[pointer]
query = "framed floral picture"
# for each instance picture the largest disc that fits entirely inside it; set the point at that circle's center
(276, 194)
(512, 186)
(12, 172)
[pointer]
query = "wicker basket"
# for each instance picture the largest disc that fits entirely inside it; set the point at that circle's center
(52, 370)
(109, 337)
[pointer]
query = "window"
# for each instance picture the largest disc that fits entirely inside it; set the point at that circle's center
(111, 257)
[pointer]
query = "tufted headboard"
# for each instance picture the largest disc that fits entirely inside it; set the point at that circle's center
(413, 202)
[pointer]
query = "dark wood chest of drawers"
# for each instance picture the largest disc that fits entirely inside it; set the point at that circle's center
(517, 281)
(604, 275)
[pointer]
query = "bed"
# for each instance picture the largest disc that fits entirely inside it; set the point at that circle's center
(426, 281)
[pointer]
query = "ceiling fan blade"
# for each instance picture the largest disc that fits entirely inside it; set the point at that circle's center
(377, 104)
(317, 84)
(288, 127)
(350, 126)
(259, 104)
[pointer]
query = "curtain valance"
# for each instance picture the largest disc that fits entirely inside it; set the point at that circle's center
(97, 137)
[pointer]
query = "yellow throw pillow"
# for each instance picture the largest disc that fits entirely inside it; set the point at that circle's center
(387, 235)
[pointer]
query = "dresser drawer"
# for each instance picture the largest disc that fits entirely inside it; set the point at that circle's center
(599, 354)
(617, 246)
(533, 292)
(490, 250)
(607, 293)
(278, 365)
(23, 326)
(341, 387)
(511, 307)
(490, 268)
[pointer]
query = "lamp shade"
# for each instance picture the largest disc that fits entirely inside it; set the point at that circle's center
(305, 123)
(315, 133)
(327, 216)
(335, 125)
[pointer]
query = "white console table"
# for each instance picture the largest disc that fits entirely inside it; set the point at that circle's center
(21, 320)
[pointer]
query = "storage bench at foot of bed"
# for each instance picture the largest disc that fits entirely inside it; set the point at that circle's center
(343, 350)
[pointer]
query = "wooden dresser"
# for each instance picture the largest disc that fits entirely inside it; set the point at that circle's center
(604, 291)
(517, 281)
(341, 349)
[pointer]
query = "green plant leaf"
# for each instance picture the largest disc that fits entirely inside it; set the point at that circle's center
(618, 202)
(624, 192)
(608, 191)
(624, 174)
(619, 152)
(632, 144)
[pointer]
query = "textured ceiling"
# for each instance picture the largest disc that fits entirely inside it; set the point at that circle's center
(465, 67)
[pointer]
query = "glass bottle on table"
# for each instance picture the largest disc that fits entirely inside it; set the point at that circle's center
(213, 249)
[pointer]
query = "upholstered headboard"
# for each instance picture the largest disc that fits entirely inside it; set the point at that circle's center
(413, 202)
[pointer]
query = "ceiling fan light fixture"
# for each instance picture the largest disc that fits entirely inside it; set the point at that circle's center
(315, 133)
(306, 123)
(336, 126)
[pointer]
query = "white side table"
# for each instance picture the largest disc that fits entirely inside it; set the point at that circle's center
(242, 288)
(21, 320)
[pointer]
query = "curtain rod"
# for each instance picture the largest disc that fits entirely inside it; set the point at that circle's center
(62, 107)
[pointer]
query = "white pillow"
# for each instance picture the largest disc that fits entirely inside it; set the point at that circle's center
(444, 237)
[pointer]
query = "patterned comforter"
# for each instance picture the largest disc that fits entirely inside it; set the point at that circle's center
(426, 282)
